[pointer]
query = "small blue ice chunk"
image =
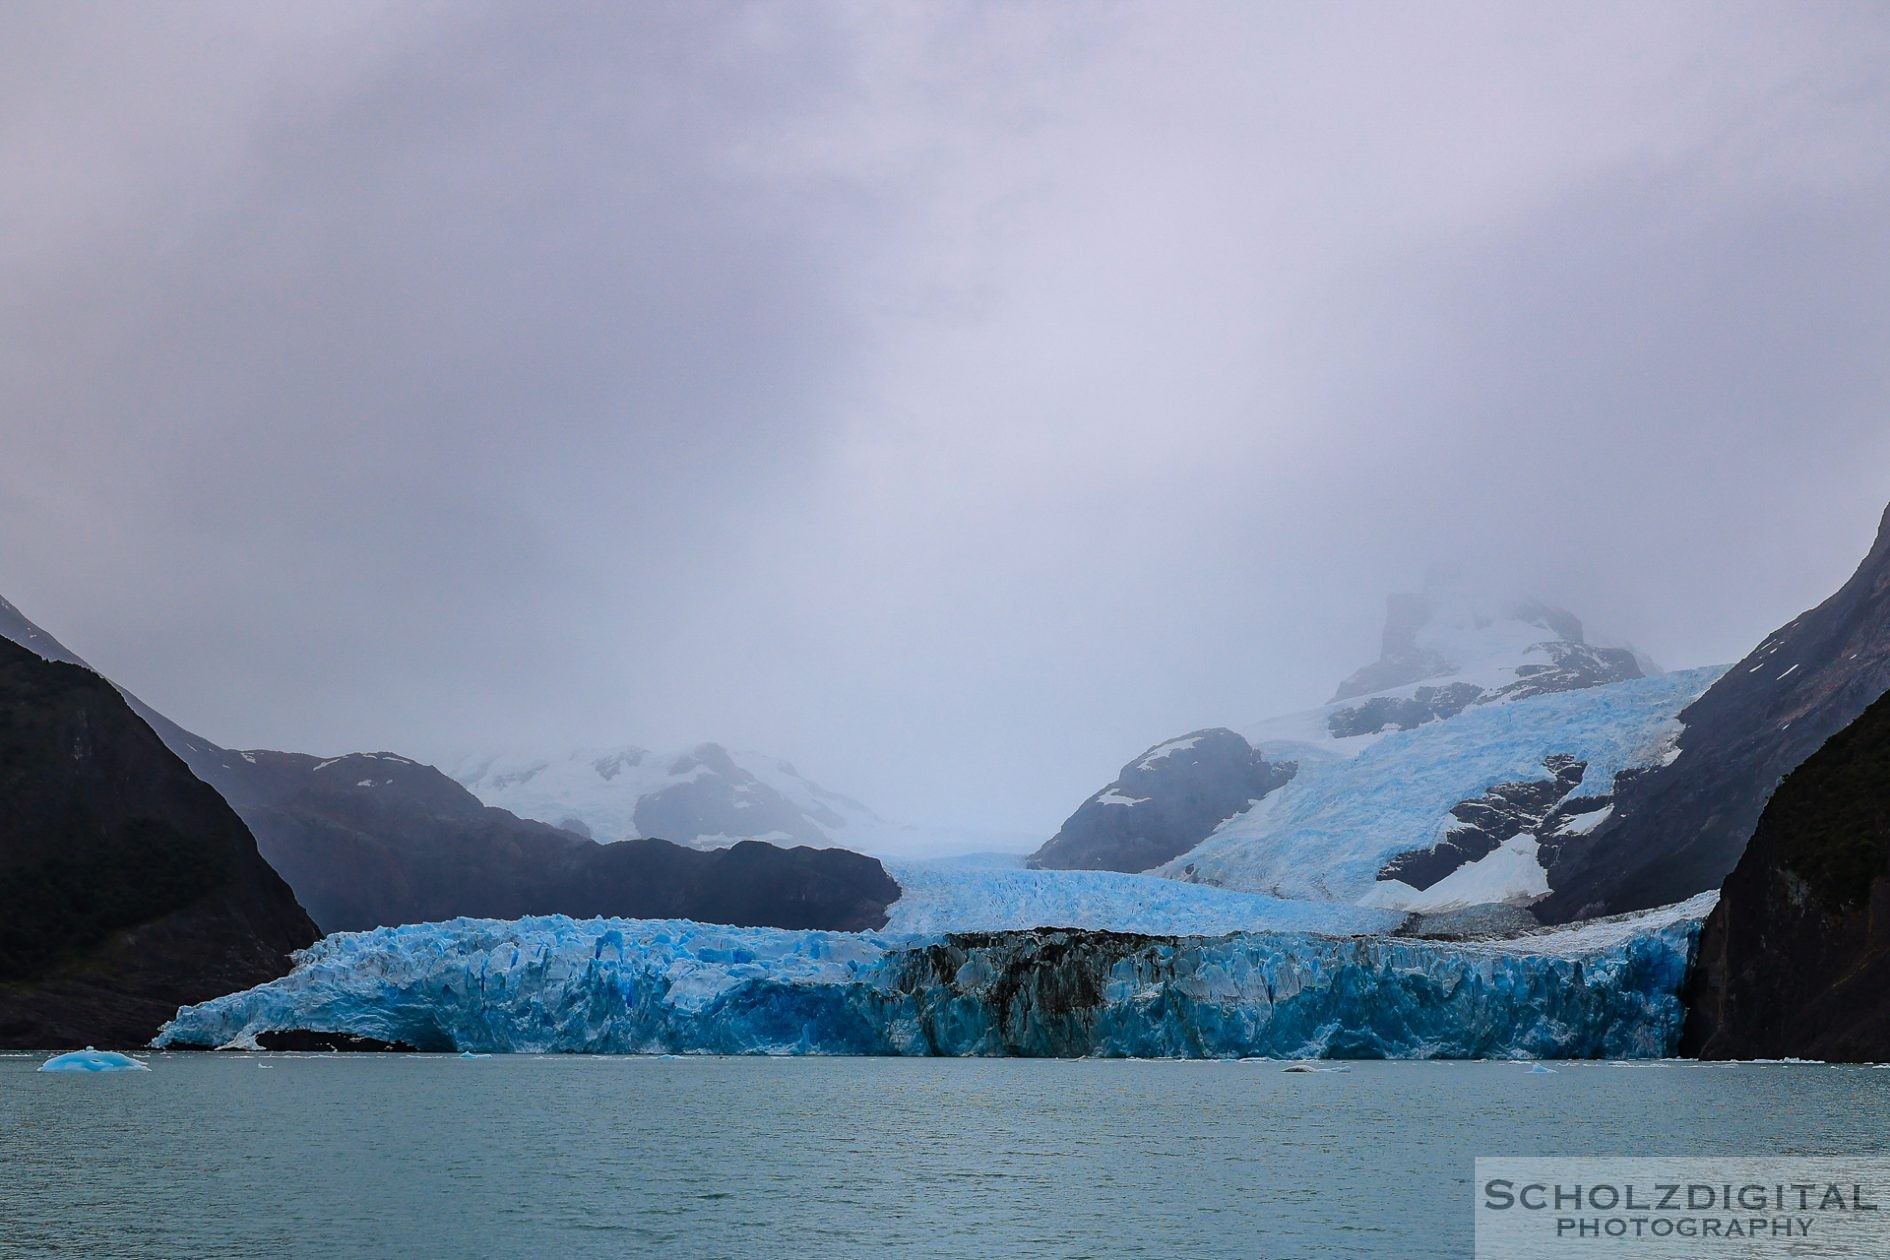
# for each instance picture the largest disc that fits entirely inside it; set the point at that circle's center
(90, 1060)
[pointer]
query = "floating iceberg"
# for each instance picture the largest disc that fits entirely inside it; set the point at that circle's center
(90, 1060)
(1607, 989)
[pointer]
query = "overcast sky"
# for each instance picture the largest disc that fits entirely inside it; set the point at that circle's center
(954, 399)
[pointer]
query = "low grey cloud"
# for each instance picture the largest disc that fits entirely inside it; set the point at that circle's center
(952, 398)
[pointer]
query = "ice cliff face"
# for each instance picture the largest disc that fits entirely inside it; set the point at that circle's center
(632, 986)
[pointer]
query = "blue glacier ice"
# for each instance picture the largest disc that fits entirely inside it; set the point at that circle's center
(1604, 989)
(90, 1060)
(1356, 802)
(938, 897)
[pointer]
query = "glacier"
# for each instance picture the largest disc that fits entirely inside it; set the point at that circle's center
(1604, 989)
(995, 895)
(1357, 801)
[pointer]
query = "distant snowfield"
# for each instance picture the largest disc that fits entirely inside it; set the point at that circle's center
(705, 797)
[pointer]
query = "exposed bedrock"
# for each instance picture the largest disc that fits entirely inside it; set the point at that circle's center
(1164, 803)
(128, 887)
(1679, 828)
(1795, 959)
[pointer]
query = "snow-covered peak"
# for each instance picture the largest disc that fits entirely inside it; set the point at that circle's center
(1451, 629)
(706, 796)
(1451, 647)
(701, 796)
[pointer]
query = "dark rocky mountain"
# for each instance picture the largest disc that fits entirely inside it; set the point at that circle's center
(1795, 960)
(198, 753)
(374, 839)
(128, 887)
(1164, 803)
(1402, 713)
(1679, 829)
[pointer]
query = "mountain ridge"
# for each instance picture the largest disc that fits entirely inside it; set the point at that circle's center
(128, 887)
(375, 839)
(1682, 826)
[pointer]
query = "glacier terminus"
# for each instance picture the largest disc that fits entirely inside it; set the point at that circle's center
(1605, 989)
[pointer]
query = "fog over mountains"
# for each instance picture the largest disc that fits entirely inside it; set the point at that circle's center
(948, 400)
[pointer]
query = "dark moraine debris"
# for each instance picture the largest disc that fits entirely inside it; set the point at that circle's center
(1471, 923)
(1794, 962)
(1403, 713)
(128, 887)
(1163, 803)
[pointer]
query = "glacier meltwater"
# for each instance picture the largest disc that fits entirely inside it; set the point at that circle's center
(1604, 989)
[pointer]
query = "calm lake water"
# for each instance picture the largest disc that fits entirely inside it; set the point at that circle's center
(419, 1156)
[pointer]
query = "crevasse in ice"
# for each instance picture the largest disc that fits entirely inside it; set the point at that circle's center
(1609, 988)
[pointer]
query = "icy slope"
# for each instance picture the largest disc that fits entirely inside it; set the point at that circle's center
(626, 986)
(1357, 803)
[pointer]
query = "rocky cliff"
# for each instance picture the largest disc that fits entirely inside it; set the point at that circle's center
(1679, 829)
(1795, 960)
(128, 887)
